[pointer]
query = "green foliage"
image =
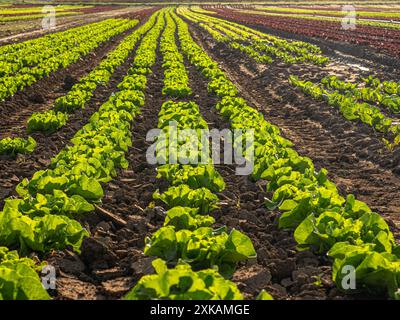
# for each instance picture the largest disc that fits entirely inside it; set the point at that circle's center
(222, 87)
(39, 233)
(49, 121)
(134, 82)
(194, 176)
(37, 58)
(202, 248)
(184, 196)
(377, 273)
(13, 146)
(75, 99)
(328, 228)
(18, 278)
(56, 203)
(176, 79)
(185, 218)
(186, 115)
(181, 283)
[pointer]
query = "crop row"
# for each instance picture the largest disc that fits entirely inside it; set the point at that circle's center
(38, 9)
(323, 221)
(187, 241)
(349, 106)
(12, 18)
(22, 65)
(175, 76)
(337, 20)
(31, 52)
(326, 11)
(43, 218)
(385, 93)
(260, 46)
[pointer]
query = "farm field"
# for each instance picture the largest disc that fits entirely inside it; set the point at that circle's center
(377, 32)
(24, 21)
(200, 152)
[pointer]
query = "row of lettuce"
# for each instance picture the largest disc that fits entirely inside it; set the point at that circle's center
(4, 19)
(262, 47)
(24, 63)
(362, 12)
(195, 260)
(370, 89)
(359, 102)
(362, 21)
(43, 218)
(344, 229)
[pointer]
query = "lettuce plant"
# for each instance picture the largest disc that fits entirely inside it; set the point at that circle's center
(13, 146)
(56, 203)
(202, 248)
(185, 218)
(184, 196)
(377, 273)
(18, 278)
(194, 176)
(182, 283)
(49, 121)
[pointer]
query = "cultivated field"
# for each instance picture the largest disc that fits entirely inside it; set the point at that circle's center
(200, 152)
